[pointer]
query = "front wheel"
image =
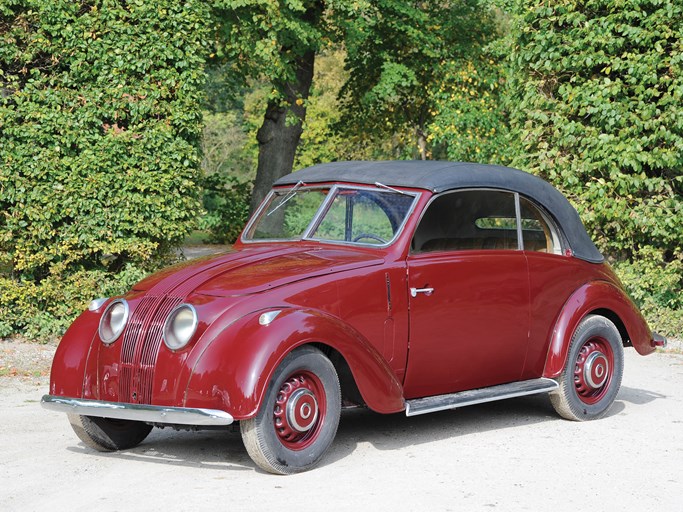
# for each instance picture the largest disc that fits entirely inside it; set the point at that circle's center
(299, 415)
(107, 435)
(592, 375)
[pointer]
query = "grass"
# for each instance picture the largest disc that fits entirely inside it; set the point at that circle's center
(196, 237)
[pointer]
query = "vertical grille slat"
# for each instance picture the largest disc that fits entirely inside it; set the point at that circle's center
(141, 342)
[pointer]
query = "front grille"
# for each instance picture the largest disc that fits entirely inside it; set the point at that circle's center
(141, 342)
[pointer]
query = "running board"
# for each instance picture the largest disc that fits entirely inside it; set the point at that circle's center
(478, 396)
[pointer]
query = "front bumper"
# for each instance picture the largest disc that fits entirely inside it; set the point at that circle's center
(138, 412)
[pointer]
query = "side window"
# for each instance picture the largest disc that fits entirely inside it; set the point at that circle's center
(538, 232)
(468, 220)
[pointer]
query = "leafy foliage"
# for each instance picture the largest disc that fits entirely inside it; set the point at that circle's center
(99, 137)
(277, 42)
(397, 52)
(469, 123)
(227, 147)
(656, 286)
(101, 123)
(226, 201)
(596, 108)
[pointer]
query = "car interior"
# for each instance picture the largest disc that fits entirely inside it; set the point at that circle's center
(481, 220)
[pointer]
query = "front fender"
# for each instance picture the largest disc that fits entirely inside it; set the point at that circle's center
(234, 369)
(72, 359)
(596, 296)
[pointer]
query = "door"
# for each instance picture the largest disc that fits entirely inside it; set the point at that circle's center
(468, 295)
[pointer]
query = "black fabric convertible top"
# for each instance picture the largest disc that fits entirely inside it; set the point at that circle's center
(440, 176)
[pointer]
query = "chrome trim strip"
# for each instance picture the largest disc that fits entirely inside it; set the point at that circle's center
(479, 396)
(320, 213)
(518, 221)
(137, 412)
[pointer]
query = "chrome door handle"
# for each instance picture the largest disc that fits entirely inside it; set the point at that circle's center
(415, 291)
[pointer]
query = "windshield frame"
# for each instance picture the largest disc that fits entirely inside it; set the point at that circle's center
(323, 209)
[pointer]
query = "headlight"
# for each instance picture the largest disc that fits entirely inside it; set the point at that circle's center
(113, 321)
(180, 326)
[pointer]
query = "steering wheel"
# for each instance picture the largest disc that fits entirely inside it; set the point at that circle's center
(360, 236)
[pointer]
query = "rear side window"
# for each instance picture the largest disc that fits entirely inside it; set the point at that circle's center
(470, 220)
(538, 232)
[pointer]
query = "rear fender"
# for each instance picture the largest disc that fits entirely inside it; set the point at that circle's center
(600, 297)
(234, 370)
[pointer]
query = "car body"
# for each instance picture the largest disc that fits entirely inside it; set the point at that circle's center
(400, 286)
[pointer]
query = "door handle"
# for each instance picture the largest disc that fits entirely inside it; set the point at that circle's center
(426, 291)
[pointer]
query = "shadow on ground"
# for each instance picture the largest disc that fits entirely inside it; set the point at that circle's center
(223, 449)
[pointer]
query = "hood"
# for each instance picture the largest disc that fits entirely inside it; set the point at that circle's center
(254, 270)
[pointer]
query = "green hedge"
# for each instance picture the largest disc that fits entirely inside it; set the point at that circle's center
(100, 124)
(597, 109)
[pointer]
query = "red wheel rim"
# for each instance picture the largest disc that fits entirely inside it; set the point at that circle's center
(593, 370)
(299, 411)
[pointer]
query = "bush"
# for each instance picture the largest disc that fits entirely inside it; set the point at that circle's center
(44, 310)
(656, 286)
(596, 108)
(226, 201)
(100, 124)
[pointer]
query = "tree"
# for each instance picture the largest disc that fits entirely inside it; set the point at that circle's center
(394, 51)
(398, 51)
(278, 40)
(469, 122)
(596, 95)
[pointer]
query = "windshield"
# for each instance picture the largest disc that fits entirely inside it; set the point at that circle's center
(338, 214)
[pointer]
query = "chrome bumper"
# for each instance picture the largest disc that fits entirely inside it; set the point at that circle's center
(137, 412)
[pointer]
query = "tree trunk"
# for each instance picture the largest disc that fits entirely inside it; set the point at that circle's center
(421, 143)
(279, 135)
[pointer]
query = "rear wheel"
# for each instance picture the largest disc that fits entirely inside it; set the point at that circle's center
(592, 375)
(299, 415)
(106, 434)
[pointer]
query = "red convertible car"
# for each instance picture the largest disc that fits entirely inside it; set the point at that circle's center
(400, 286)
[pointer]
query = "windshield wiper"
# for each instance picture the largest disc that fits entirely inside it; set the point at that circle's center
(382, 185)
(289, 196)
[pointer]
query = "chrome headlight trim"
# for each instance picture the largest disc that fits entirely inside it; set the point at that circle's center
(113, 321)
(180, 326)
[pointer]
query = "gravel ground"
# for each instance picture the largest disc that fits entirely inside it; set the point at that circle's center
(514, 455)
(23, 359)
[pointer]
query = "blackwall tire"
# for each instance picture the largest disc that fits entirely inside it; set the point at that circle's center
(592, 374)
(298, 417)
(107, 435)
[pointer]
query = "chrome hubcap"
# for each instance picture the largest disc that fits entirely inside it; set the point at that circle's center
(302, 410)
(596, 370)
